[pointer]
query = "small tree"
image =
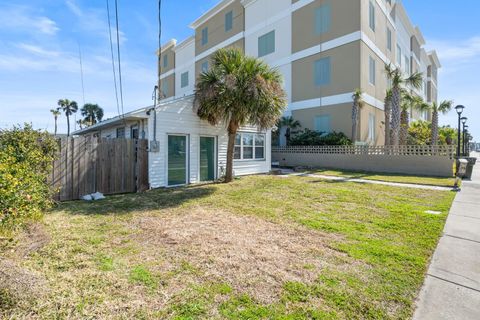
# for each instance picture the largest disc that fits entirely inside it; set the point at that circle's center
(55, 112)
(357, 102)
(68, 107)
(290, 124)
(92, 113)
(410, 103)
(388, 116)
(443, 107)
(239, 90)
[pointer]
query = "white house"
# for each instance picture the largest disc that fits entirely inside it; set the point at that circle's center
(184, 149)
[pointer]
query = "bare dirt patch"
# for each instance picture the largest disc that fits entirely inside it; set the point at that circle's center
(254, 256)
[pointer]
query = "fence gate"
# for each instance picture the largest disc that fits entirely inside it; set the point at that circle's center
(109, 166)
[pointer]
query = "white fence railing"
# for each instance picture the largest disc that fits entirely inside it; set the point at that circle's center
(444, 150)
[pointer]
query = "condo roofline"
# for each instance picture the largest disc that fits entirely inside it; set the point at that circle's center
(166, 46)
(210, 13)
(434, 58)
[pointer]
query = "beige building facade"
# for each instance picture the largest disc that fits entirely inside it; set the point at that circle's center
(325, 49)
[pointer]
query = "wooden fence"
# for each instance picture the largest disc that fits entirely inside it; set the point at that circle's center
(109, 166)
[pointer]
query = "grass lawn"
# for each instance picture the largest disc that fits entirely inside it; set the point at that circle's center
(398, 178)
(263, 247)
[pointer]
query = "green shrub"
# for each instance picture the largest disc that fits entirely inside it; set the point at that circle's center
(309, 137)
(26, 157)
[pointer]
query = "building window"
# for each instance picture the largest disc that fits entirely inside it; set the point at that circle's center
(184, 79)
(266, 44)
(249, 146)
(204, 36)
(205, 66)
(322, 72)
(228, 21)
(164, 92)
(371, 127)
(399, 55)
(372, 71)
(389, 39)
(407, 65)
(165, 61)
(323, 19)
(322, 124)
(121, 133)
(371, 15)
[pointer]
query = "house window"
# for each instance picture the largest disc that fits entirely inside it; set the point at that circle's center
(371, 127)
(204, 36)
(228, 21)
(205, 66)
(249, 146)
(322, 124)
(165, 61)
(323, 19)
(322, 72)
(164, 88)
(184, 79)
(266, 44)
(371, 15)
(121, 133)
(372, 70)
(399, 55)
(389, 39)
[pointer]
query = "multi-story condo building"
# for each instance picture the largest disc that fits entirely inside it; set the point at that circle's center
(325, 49)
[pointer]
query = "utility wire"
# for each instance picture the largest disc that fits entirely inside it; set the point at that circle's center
(81, 72)
(113, 59)
(118, 56)
(160, 91)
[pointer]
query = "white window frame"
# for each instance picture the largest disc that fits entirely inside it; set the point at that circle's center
(254, 146)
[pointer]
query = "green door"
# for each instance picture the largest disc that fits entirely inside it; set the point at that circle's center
(207, 158)
(177, 160)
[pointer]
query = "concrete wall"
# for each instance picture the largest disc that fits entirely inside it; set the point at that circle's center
(441, 166)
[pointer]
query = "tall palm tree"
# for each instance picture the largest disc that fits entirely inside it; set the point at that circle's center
(236, 91)
(410, 102)
(291, 124)
(388, 116)
(55, 112)
(436, 108)
(68, 107)
(398, 82)
(357, 102)
(92, 113)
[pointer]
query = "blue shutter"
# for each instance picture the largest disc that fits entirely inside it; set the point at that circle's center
(266, 44)
(372, 70)
(322, 72)
(184, 79)
(165, 61)
(372, 15)
(389, 39)
(204, 36)
(229, 21)
(322, 124)
(205, 66)
(323, 19)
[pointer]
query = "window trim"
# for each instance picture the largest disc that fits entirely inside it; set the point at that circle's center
(182, 84)
(241, 133)
(120, 129)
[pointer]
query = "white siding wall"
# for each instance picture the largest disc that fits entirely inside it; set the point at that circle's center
(184, 62)
(178, 118)
(258, 23)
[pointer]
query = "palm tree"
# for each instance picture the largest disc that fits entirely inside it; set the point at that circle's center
(289, 123)
(92, 113)
(388, 116)
(69, 108)
(239, 90)
(55, 112)
(444, 107)
(357, 102)
(410, 102)
(398, 81)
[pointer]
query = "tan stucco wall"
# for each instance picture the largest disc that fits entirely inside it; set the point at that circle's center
(216, 27)
(379, 36)
(341, 117)
(170, 53)
(345, 73)
(379, 89)
(413, 165)
(240, 44)
(365, 111)
(345, 20)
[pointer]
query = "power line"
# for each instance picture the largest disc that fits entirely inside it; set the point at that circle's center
(118, 57)
(113, 59)
(159, 44)
(81, 72)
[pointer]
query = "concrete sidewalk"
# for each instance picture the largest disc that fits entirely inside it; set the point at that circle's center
(452, 286)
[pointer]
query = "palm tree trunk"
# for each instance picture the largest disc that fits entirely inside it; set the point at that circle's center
(68, 125)
(434, 141)
(232, 133)
(354, 121)
(395, 116)
(404, 124)
(55, 126)
(388, 111)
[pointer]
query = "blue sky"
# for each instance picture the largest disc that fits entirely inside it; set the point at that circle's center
(40, 40)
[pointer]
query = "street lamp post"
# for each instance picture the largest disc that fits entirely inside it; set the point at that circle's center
(464, 122)
(466, 140)
(459, 110)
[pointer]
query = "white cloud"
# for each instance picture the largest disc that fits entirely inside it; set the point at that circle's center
(38, 50)
(19, 18)
(45, 25)
(460, 50)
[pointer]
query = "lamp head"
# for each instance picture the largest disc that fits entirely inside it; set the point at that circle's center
(464, 119)
(459, 109)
